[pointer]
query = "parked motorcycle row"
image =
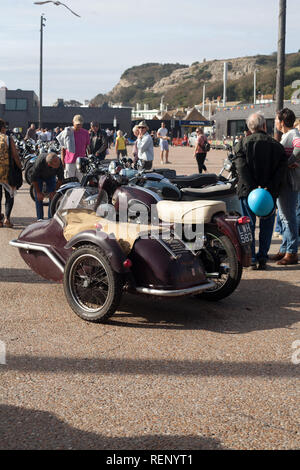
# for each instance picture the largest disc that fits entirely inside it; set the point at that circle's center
(180, 236)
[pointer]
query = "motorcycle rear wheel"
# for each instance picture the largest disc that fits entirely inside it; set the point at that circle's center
(92, 288)
(219, 255)
(28, 172)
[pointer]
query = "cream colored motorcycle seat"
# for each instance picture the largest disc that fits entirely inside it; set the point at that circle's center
(189, 212)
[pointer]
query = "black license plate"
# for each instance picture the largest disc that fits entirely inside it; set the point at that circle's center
(245, 234)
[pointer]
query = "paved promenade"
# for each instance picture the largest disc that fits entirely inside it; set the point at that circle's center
(162, 374)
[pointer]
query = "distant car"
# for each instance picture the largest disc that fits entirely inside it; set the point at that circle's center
(192, 139)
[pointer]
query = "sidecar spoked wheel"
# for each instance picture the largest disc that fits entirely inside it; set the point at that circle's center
(220, 256)
(92, 288)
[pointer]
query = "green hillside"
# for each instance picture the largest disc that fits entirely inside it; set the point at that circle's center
(182, 85)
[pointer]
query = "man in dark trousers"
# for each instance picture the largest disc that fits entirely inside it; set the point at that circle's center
(260, 162)
(99, 141)
(47, 169)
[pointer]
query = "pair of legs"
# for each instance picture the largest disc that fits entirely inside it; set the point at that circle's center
(265, 233)
(50, 188)
(164, 149)
(200, 157)
(72, 172)
(9, 202)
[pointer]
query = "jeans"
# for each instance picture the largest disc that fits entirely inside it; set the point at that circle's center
(278, 224)
(9, 202)
(287, 204)
(265, 232)
(50, 188)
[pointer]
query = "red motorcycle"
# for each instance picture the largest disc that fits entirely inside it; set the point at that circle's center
(98, 253)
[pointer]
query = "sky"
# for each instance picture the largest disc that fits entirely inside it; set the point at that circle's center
(87, 55)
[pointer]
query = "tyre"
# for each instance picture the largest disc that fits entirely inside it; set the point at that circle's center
(28, 172)
(93, 290)
(55, 202)
(219, 255)
(32, 195)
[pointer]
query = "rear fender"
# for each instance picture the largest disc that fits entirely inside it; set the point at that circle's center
(227, 225)
(108, 244)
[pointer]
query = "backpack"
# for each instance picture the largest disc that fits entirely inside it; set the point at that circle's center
(206, 146)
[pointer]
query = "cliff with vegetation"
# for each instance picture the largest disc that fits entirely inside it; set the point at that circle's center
(182, 85)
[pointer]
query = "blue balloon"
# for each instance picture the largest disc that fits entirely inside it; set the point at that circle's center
(261, 202)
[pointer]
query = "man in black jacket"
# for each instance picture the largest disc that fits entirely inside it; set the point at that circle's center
(260, 162)
(47, 169)
(99, 141)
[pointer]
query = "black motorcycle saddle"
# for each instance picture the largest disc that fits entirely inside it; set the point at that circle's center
(215, 191)
(194, 181)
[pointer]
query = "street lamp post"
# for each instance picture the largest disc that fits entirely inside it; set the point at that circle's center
(254, 86)
(41, 72)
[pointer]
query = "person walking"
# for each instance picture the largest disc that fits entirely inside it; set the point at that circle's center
(162, 134)
(260, 162)
(9, 158)
(288, 196)
(120, 145)
(200, 152)
(74, 143)
(47, 169)
(145, 145)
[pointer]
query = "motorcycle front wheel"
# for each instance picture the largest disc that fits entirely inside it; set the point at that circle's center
(219, 256)
(55, 202)
(92, 288)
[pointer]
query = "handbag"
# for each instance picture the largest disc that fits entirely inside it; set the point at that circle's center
(15, 177)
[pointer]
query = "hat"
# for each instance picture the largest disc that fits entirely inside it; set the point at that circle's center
(78, 119)
(143, 124)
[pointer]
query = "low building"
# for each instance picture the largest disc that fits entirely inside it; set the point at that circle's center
(21, 109)
(231, 121)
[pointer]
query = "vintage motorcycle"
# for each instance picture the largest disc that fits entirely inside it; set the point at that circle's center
(97, 256)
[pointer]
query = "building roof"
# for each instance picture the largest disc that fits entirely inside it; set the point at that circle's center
(194, 115)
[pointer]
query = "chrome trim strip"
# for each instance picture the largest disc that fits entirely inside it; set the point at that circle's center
(44, 249)
(175, 293)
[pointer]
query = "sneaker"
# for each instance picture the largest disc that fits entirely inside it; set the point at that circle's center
(253, 266)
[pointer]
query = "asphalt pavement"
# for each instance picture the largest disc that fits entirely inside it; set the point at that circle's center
(161, 374)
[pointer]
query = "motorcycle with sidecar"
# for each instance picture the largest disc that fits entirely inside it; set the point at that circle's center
(98, 254)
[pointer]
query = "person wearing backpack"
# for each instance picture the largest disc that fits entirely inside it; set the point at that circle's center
(201, 148)
(9, 177)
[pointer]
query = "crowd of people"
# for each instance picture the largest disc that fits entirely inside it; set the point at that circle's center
(261, 161)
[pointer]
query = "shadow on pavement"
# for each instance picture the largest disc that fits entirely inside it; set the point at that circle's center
(156, 367)
(21, 275)
(22, 222)
(257, 304)
(22, 428)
